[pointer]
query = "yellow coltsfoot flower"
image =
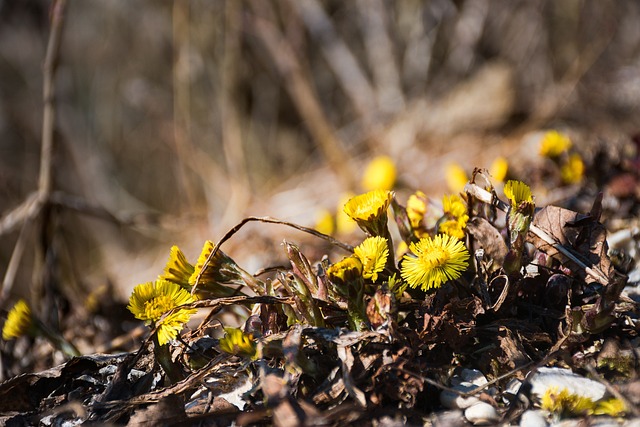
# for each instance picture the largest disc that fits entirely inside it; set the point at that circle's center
(455, 216)
(554, 144)
(563, 403)
(19, 321)
(417, 209)
(573, 170)
(150, 301)
(325, 222)
(434, 261)
(238, 343)
(456, 177)
(380, 174)
(178, 270)
(373, 254)
(498, 169)
(517, 192)
(369, 211)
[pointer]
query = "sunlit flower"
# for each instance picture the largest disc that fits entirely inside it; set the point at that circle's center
(380, 174)
(220, 270)
(612, 407)
(238, 343)
(345, 271)
(368, 206)
(517, 192)
(564, 403)
(324, 222)
(573, 170)
(344, 224)
(498, 169)
(178, 270)
(416, 209)
(373, 254)
(455, 216)
(18, 322)
(150, 301)
(369, 211)
(434, 261)
(554, 143)
(456, 177)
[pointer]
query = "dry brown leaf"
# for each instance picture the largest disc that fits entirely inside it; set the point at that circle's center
(582, 234)
(489, 238)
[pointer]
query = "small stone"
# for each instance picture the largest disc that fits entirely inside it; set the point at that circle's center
(452, 400)
(481, 414)
(533, 418)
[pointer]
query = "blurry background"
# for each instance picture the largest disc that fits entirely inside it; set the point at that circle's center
(181, 118)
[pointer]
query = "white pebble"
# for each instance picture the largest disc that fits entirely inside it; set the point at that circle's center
(481, 414)
(533, 418)
(452, 400)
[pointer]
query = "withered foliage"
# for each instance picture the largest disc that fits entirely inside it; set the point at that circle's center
(311, 368)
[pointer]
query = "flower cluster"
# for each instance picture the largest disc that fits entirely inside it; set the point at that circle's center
(556, 146)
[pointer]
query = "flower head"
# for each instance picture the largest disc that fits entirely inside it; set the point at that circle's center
(499, 168)
(324, 222)
(369, 211)
(372, 253)
(238, 343)
(455, 216)
(219, 270)
(456, 177)
(573, 170)
(554, 143)
(380, 174)
(345, 271)
(18, 322)
(178, 270)
(434, 261)
(368, 206)
(150, 301)
(564, 403)
(417, 209)
(517, 192)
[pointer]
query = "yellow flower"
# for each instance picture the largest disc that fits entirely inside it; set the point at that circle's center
(499, 168)
(368, 206)
(344, 224)
(178, 270)
(380, 174)
(554, 143)
(456, 177)
(455, 216)
(373, 254)
(18, 322)
(219, 271)
(573, 170)
(612, 407)
(324, 222)
(517, 192)
(238, 343)
(434, 261)
(345, 271)
(369, 211)
(417, 208)
(564, 403)
(150, 301)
